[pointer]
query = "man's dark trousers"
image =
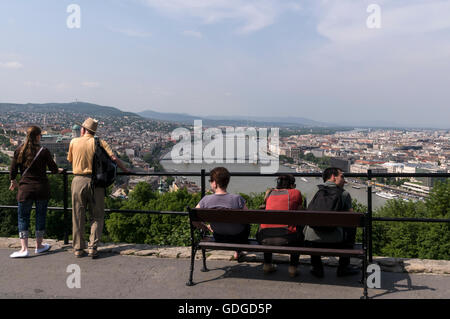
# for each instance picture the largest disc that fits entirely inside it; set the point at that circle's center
(349, 241)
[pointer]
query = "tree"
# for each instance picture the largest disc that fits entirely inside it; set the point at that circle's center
(54, 220)
(153, 228)
(414, 239)
(4, 159)
(8, 217)
(401, 238)
(435, 241)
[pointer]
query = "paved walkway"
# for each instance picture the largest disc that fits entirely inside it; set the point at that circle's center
(117, 276)
(399, 265)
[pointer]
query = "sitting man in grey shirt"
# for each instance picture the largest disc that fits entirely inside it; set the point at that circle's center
(224, 232)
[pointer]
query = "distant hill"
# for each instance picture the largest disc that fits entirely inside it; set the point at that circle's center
(74, 107)
(173, 117)
(278, 120)
(96, 110)
(234, 120)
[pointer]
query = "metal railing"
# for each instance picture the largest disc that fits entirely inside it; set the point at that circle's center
(202, 174)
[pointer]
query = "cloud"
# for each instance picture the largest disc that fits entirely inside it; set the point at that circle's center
(194, 34)
(91, 85)
(344, 21)
(159, 92)
(131, 32)
(40, 84)
(62, 86)
(255, 14)
(11, 65)
(36, 84)
(399, 70)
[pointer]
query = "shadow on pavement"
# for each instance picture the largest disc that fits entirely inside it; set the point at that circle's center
(392, 283)
(68, 250)
(49, 252)
(255, 271)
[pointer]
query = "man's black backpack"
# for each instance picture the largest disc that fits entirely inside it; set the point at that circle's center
(103, 168)
(326, 199)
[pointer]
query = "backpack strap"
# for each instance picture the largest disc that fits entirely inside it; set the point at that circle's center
(268, 195)
(339, 192)
(31, 164)
(94, 172)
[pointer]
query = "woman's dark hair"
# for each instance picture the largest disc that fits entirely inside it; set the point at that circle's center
(29, 147)
(285, 181)
(221, 176)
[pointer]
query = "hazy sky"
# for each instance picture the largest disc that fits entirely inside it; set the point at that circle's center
(314, 59)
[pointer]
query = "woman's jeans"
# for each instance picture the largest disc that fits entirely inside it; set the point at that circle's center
(24, 217)
(280, 237)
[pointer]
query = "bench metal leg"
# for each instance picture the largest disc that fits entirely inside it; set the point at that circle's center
(365, 279)
(362, 272)
(193, 252)
(204, 269)
(364, 264)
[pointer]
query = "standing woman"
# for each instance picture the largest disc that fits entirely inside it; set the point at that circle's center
(32, 160)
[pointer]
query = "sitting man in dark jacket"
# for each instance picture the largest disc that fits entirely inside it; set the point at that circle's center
(331, 196)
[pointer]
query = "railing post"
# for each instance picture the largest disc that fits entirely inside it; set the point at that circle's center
(203, 182)
(66, 215)
(369, 212)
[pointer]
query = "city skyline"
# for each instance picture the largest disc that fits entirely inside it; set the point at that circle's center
(312, 59)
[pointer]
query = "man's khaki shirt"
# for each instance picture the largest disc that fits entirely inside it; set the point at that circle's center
(81, 153)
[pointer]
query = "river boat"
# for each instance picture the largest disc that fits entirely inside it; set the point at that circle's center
(386, 195)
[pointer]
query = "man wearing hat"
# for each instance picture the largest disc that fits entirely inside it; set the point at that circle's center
(81, 155)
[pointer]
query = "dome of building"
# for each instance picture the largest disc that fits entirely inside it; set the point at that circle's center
(76, 127)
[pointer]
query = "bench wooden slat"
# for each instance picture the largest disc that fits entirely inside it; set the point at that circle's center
(253, 241)
(283, 249)
(299, 217)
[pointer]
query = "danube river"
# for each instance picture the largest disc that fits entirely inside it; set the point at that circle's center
(251, 184)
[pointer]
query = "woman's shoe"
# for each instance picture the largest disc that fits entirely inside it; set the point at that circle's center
(317, 272)
(19, 254)
(239, 256)
(293, 272)
(269, 268)
(43, 249)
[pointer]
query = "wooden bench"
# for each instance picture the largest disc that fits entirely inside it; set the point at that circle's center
(302, 217)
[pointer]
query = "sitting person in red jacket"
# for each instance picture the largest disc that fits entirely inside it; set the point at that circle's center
(284, 197)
